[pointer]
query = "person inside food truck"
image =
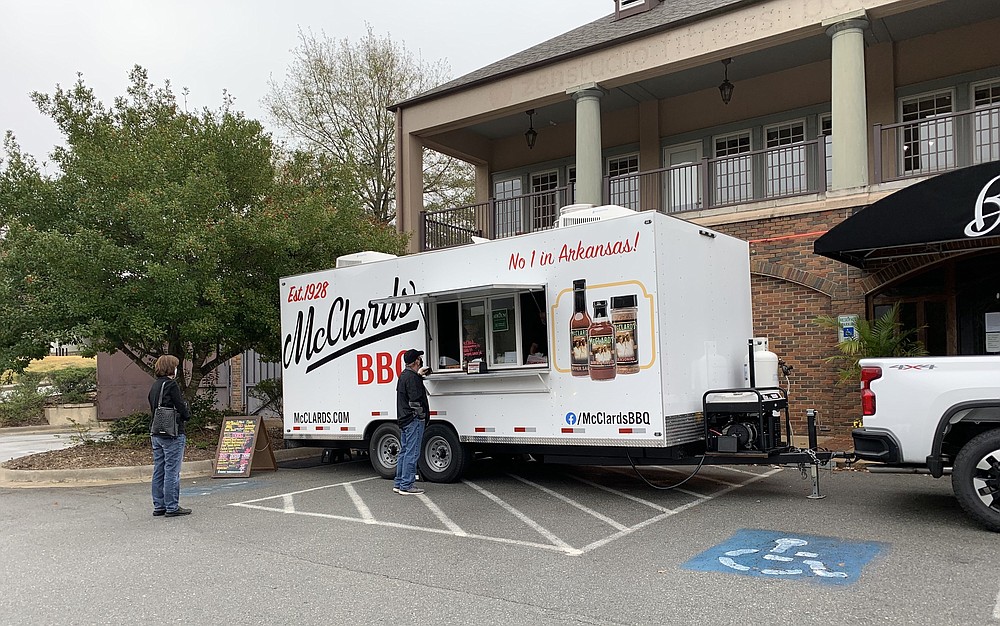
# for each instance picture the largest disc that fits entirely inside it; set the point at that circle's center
(473, 343)
(535, 333)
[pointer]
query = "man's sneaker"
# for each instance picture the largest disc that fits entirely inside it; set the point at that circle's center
(412, 491)
(159, 512)
(180, 511)
(395, 489)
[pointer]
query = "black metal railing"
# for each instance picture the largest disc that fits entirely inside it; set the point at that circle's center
(780, 172)
(936, 144)
(495, 219)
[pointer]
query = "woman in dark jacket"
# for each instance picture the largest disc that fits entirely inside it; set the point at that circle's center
(168, 452)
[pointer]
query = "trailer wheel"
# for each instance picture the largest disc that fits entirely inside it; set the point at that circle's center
(383, 450)
(976, 478)
(442, 457)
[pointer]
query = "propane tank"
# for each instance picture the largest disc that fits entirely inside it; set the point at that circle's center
(765, 365)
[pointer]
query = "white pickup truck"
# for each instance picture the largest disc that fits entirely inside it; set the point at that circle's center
(934, 413)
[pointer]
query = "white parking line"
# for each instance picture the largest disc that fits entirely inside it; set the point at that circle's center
(363, 510)
(624, 471)
(295, 493)
(735, 469)
(996, 608)
(622, 494)
(607, 520)
(286, 504)
(452, 526)
(702, 476)
(602, 542)
(527, 520)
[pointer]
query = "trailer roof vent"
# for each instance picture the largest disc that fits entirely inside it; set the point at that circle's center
(581, 214)
(360, 258)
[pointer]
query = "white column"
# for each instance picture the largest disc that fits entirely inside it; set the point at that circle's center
(848, 100)
(589, 166)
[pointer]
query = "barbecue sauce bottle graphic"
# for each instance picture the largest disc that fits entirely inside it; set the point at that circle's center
(579, 341)
(602, 344)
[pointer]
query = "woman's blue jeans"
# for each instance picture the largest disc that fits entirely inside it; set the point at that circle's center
(168, 452)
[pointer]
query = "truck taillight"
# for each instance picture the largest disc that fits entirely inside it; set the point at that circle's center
(868, 374)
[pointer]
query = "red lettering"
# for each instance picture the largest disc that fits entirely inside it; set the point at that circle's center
(400, 366)
(365, 374)
(384, 368)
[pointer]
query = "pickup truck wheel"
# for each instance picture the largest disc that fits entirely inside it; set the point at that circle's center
(383, 450)
(976, 478)
(442, 456)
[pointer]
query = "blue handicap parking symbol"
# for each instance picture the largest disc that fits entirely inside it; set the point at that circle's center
(775, 554)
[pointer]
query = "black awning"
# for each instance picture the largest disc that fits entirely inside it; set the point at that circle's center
(957, 210)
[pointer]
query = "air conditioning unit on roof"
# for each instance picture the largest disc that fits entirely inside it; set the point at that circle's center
(360, 258)
(583, 213)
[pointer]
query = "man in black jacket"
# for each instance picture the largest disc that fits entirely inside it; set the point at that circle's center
(412, 413)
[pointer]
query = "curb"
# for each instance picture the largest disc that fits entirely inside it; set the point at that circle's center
(135, 474)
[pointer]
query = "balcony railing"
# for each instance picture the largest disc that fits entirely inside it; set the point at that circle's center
(936, 144)
(495, 219)
(781, 172)
(785, 171)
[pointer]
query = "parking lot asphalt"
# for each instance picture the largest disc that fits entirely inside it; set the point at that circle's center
(529, 543)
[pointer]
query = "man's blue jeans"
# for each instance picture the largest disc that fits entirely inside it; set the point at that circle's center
(410, 436)
(168, 452)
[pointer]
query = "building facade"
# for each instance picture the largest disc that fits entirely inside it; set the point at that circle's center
(776, 121)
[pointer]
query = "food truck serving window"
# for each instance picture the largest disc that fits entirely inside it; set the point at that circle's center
(502, 325)
(504, 330)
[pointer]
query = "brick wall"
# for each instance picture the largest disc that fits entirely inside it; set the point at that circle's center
(791, 287)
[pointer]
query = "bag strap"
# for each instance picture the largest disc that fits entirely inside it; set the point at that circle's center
(159, 400)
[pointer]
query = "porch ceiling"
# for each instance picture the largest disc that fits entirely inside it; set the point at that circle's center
(901, 26)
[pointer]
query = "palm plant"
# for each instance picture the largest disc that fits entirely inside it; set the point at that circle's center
(883, 337)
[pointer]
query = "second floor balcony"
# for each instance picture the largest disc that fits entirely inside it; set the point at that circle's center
(798, 169)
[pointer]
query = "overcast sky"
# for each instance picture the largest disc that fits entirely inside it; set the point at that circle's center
(238, 45)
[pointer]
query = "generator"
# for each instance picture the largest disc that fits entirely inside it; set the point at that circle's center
(745, 421)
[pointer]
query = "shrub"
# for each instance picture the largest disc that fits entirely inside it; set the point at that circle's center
(74, 385)
(131, 429)
(24, 403)
(268, 391)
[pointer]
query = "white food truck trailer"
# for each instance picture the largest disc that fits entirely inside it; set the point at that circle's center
(615, 341)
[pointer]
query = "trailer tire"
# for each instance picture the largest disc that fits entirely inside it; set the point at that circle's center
(383, 450)
(442, 456)
(976, 478)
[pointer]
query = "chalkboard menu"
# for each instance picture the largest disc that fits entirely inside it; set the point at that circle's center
(243, 445)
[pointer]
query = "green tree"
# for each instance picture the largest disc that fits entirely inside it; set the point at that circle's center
(883, 337)
(336, 98)
(164, 231)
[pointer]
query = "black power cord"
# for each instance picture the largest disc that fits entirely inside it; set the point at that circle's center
(636, 470)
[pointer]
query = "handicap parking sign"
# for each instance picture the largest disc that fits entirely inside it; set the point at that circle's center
(775, 554)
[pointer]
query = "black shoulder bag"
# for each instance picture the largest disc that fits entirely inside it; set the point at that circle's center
(164, 418)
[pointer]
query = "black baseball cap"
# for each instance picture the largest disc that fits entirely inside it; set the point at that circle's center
(412, 355)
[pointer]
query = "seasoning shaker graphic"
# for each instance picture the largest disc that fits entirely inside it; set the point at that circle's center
(602, 344)
(623, 318)
(579, 345)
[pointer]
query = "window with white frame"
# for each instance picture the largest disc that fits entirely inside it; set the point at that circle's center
(481, 328)
(928, 143)
(986, 99)
(785, 159)
(624, 174)
(826, 130)
(733, 173)
(508, 200)
(544, 207)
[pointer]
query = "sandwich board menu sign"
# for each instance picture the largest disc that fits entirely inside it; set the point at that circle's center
(243, 445)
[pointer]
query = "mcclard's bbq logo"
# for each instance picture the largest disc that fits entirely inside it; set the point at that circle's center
(342, 324)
